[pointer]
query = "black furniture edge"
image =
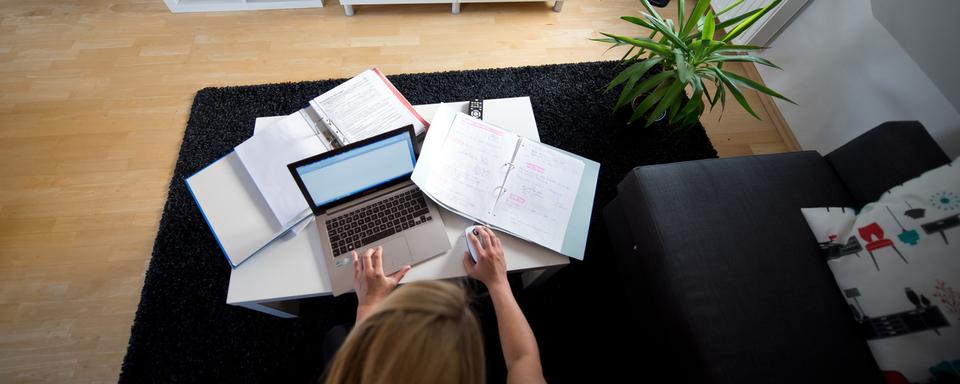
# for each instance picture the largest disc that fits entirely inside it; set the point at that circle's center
(885, 156)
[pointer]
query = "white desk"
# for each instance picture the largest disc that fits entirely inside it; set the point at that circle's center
(291, 269)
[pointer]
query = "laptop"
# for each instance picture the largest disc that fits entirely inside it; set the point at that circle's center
(362, 197)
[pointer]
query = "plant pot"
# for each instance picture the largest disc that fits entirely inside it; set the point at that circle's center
(633, 131)
(633, 105)
(628, 133)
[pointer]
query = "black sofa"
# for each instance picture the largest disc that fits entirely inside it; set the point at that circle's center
(724, 273)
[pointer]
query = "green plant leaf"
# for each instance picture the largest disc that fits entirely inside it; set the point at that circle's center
(699, 9)
(725, 47)
(690, 114)
(635, 70)
(722, 47)
(743, 25)
(673, 110)
(650, 37)
(695, 116)
(669, 98)
(637, 21)
(642, 43)
(692, 104)
(705, 72)
(606, 40)
(740, 58)
(724, 24)
(696, 99)
(689, 120)
(707, 32)
(646, 4)
(700, 49)
(716, 96)
(681, 10)
(629, 51)
(646, 85)
(729, 7)
(706, 93)
(613, 44)
(683, 70)
(628, 86)
(648, 102)
(735, 91)
(667, 31)
(609, 49)
(723, 101)
(697, 84)
(756, 86)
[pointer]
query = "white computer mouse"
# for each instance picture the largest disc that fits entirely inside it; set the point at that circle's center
(466, 238)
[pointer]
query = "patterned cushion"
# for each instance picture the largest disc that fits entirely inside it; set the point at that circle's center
(897, 263)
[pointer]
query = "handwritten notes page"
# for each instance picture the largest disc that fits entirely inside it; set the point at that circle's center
(474, 157)
(539, 194)
(494, 176)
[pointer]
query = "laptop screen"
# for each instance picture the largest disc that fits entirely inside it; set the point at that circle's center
(359, 168)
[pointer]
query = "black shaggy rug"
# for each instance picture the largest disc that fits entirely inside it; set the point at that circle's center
(184, 331)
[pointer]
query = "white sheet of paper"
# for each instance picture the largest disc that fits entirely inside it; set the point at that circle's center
(362, 107)
(261, 125)
(265, 156)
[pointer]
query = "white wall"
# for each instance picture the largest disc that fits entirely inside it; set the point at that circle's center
(848, 74)
(919, 27)
(767, 27)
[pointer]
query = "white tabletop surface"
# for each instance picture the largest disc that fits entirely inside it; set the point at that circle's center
(292, 268)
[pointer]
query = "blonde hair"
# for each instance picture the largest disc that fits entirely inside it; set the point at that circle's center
(424, 332)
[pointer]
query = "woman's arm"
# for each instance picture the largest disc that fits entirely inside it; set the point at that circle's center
(519, 344)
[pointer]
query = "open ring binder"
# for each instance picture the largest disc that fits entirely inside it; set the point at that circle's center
(540, 194)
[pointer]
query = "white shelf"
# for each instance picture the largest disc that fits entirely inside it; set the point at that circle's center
(455, 4)
(499, 1)
(177, 6)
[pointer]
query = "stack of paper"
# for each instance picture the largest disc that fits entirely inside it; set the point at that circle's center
(265, 157)
(361, 107)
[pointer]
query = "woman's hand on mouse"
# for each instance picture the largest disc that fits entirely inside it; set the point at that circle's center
(491, 266)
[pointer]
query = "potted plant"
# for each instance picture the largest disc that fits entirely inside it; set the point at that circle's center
(688, 57)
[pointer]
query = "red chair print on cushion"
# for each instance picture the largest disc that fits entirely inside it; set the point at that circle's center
(873, 235)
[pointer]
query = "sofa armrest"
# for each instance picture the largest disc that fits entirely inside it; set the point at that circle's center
(886, 156)
(724, 261)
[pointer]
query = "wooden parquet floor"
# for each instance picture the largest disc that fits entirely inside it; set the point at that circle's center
(94, 97)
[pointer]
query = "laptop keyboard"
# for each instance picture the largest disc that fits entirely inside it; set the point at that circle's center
(376, 221)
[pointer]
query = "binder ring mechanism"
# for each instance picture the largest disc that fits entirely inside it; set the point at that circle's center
(500, 190)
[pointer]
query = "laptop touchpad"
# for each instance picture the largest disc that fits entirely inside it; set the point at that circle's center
(396, 254)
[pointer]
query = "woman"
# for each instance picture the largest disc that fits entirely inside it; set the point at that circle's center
(425, 332)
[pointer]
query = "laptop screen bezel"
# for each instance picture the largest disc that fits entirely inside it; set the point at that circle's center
(321, 209)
